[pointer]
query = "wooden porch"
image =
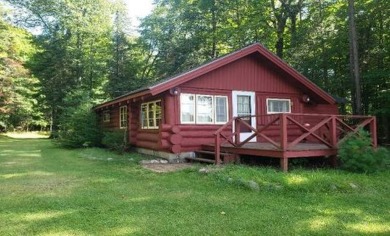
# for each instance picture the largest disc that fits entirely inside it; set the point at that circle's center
(288, 135)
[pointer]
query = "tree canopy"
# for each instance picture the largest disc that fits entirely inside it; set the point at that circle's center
(51, 49)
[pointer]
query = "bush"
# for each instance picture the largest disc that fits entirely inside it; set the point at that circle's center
(357, 155)
(79, 127)
(115, 140)
(3, 127)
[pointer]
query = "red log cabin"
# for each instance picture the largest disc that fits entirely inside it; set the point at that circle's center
(249, 102)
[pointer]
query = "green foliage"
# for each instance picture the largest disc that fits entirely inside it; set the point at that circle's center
(79, 125)
(46, 190)
(3, 127)
(73, 48)
(87, 45)
(357, 154)
(115, 140)
(18, 88)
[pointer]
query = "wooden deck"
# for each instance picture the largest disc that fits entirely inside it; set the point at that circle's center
(298, 135)
(269, 150)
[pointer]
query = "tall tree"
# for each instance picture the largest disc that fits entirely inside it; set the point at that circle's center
(354, 59)
(18, 88)
(283, 14)
(125, 64)
(73, 47)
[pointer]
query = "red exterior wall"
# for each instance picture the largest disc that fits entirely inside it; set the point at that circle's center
(114, 118)
(250, 73)
(246, 74)
(143, 138)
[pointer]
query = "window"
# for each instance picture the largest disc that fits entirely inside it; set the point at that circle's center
(187, 107)
(123, 117)
(278, 106)
(151, 115)
(244, 106)
(203, 109)
(106, 116)
(221, 109)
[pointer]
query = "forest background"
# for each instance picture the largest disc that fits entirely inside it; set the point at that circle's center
(58, 55)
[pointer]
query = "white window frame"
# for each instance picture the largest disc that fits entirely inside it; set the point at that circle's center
(193, 110)
(146, 126)
(106, 116)
(142, 118)
(214, 110)
(252, 95)
(278, 99)
(123, 117)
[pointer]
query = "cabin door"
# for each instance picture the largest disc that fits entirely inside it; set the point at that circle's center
(244, 105)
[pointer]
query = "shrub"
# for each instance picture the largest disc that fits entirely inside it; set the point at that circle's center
(3, 127)
(115, 140)
(357, 155)
(79, 128)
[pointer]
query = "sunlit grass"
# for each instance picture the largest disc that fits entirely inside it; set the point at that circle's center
(27, 135)
(45, 190)
(32, 174)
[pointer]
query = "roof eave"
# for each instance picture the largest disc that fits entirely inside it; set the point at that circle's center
(122, 98)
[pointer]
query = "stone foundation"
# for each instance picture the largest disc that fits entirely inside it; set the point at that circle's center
(171, 157)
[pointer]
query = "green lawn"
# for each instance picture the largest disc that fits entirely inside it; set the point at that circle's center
(45, 190)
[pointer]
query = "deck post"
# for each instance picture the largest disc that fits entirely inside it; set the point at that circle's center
(333, 132)
(237, 131)
(284, 164)
(217, 149)
(373, 132)
(237, 158)
(333, 161)
(283, 131)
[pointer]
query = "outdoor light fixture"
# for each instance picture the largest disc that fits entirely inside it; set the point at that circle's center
(306, 98)
(174, 91)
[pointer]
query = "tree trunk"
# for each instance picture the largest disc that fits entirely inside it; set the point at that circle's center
(354, 60)
(279, 23)
(214, 30)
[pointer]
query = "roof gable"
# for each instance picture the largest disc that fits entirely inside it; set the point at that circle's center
(222, 61)
(254, 48)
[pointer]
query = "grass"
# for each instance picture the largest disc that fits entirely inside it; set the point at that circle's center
(46, 190)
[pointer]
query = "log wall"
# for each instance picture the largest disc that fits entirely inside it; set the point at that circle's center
(114, 118)
(251, 73)
(144, 138)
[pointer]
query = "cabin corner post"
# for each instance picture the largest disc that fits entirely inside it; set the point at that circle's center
(373, 132)
(169, 110)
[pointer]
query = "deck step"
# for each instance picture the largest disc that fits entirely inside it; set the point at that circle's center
(204, 152)
(200, 159)
(209, 157)
(211, 153)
